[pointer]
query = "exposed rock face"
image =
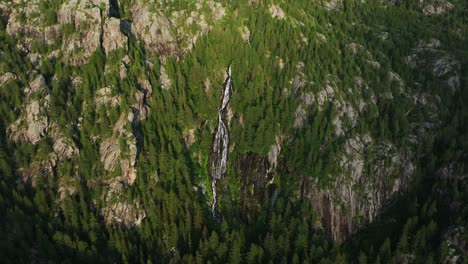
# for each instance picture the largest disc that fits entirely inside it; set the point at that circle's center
(274, 152)
(128, 215)
(153, 29)
(146, 87)
(254, 171)
(119, 153)
(164, 79)
(124, 67)
(33, 123)
(115, 153)
(104, 96)
(358, 194)
(371, 172)
(345, 116)
(45, 166)
(430, 7)
(95, 26)
(276, 11)
(141, 109)
(175, 33)
(301, 117)
(78, 12)
(127, 164)
(113, 38)
(245, 33)
(4, 78)
(333, 4)
(37, 124)
(118, 210)
(110, 153)
(439, 8)
(357, 49)
(63, 147)
(441, 65)
(37, 85)
(85, 16)
(67, 187)
(189, 137)
(33, 27)
(456, 239)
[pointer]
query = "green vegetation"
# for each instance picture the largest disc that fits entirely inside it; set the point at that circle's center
(39, 224)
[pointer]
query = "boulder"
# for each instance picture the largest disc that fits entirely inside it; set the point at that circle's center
(7, 77)
(276, 11)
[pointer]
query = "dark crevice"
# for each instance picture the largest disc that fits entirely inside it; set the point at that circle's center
(114, 8)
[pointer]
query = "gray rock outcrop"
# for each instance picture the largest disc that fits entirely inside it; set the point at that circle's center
(153, 29)
(33, 123)
(359, 194)
(7, 77)
(78, 47)
(113, 38)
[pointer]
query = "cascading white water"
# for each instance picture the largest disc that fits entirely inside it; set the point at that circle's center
(218, 157)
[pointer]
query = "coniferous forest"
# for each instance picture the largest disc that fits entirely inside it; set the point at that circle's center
(343, 124)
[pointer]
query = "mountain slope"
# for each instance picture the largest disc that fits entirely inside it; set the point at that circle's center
(343, 117)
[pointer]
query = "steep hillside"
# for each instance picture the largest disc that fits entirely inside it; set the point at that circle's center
(234, 131)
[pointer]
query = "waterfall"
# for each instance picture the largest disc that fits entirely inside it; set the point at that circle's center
(218, 159)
